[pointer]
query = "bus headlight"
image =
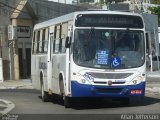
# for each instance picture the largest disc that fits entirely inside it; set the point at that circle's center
(137, 80)
(81, 79)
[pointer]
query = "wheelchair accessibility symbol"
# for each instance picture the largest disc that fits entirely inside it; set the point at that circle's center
(116, 61)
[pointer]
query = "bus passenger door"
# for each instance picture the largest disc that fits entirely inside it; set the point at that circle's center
(49, 62)
(68, 65)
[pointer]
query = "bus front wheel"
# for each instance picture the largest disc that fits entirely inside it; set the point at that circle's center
(44, 95)
(65, 98)
(66, 102)
(125, 101)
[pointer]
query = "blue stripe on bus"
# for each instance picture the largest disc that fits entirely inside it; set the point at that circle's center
(82, 90)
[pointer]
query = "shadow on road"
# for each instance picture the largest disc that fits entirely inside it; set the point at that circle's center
(94, 103)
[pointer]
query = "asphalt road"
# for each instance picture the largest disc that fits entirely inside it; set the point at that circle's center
(28, 101)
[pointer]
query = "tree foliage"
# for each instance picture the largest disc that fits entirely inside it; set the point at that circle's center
(155, 1)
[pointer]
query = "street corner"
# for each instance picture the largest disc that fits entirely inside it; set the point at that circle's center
(5, 107)
(154, 90)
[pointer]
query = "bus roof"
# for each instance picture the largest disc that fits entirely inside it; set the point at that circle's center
(69, 17)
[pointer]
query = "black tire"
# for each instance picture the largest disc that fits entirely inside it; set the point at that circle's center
(67, 102)
(44, 95)
(66, 99)
(54, 98)
(125, 101)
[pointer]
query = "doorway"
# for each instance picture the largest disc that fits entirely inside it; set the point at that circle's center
(24, 62)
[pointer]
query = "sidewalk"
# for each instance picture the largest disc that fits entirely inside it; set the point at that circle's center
(16, 84)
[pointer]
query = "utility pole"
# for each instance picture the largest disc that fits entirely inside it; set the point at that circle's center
(15, 53)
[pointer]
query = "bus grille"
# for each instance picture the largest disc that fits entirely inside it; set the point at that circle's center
(109, 90)
(110, 75)
(97, 82)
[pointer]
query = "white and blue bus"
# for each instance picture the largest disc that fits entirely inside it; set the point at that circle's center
(90, 54)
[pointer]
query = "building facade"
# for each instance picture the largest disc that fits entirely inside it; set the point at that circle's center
(23, 15)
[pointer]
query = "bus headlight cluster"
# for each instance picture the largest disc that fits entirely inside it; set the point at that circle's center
(83, 81)
(80, 79)
(137, 80)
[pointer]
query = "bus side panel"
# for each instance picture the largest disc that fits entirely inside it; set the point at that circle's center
(39, 66)
(43, 70)
(58, 66)
(35, 72)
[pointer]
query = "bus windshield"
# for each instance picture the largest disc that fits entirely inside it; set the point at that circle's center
(97, 48)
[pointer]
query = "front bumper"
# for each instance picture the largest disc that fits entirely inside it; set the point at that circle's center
(82, 90)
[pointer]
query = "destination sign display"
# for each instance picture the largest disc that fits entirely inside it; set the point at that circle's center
(107, 20)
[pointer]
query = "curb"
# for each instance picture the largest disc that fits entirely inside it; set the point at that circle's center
(16, 87)
(13, 84)
(3, 87)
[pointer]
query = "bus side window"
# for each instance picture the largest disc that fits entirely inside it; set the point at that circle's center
(37, 41)
(64, 34)
(40, 42)
(46, 40)
(56, 45)
(60, 38)
(43, 40)
(54, 40)
(33, 46)
(57, 39)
